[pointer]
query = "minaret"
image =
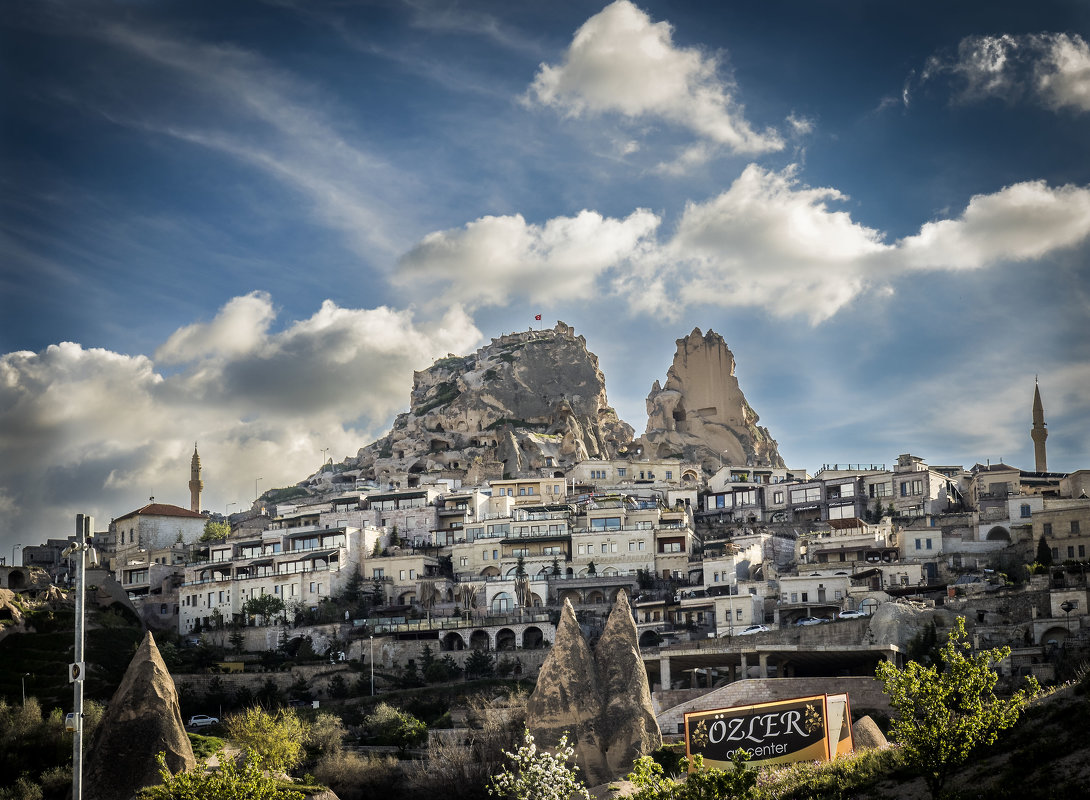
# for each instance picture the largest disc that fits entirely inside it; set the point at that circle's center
(196, 484)
(1039, 433)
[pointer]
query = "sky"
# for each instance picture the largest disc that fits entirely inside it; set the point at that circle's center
(245, 224)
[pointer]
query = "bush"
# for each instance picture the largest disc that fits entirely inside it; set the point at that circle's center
(356, 777)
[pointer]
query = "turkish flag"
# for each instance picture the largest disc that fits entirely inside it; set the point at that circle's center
(537, 317)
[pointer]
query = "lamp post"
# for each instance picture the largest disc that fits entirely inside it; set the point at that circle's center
(324, 451)
(372, 637)
(85, 529)
(1067, 607)
(256, 482)
(13, 548)
(25, 676)
(226, 507)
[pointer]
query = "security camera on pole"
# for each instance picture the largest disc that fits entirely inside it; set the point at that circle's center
(82, 549)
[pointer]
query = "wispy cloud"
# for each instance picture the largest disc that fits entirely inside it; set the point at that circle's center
(1050, 69)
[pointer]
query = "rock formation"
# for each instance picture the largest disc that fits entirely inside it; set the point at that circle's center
(602, 702)
(567, 699)
(701, 415)
(527, 401)
(627, 725)
(142, 720)
(866, 735)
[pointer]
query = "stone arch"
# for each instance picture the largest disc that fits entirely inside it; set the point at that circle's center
(572, 595)
(452, 641)
(650, 638)
(505, 639)
(406, 598)
(502, 602)
(999, 534)
(609, 570)
(558, 474)
(17, 580)
(448, 596)
(1056, 633)
(533, 638)
(478, 640)
(689, 476)
(596, 596)
(490, 572)
(535, 600)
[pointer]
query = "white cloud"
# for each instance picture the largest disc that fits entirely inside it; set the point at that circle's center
(100, 432)
(1021, 222)
(1052, 69)
(493, 259)
(621, 62)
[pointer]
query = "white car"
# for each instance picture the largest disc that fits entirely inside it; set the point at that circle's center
(852, 614)
(202, 721)
(752, 629)
(810, 621)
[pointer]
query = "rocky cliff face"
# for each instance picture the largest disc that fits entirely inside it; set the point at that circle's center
(142, 720)
(526, 401)
(701, 414)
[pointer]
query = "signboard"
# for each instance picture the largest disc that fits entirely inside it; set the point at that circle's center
(777, 732)
(839, 712)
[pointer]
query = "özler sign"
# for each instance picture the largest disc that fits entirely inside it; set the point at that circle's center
(778, 732)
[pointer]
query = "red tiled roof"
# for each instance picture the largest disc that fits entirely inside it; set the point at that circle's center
(161, 510)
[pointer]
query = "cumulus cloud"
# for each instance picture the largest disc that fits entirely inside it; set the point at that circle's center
(769, 241)
(102, 431)
(492, 259)
(621, 62)
(1052, 69)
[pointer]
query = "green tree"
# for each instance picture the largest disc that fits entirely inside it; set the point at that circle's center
(1044, 553)
(229, 782)
(266, 606)
(944, 711)
(215, 531)
(539, 775)
(480, 665)
(270, 741)
(556, 566)
(389, 725)
(591, 569)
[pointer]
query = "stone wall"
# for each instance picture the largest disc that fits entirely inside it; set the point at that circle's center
(864, 694)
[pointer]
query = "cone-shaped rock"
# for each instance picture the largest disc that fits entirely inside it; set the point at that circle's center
(627, 727)
(142, 720)
(567, 699)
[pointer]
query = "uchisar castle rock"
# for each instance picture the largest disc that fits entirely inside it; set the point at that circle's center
(536, 401)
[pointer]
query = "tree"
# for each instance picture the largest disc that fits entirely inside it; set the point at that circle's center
(1044, 553)
(479, 665)
(215, 531)
(266, 606)
(701, 783)
(229, 782)
(539, 775)
(270, 741)
(389, 725)
(591, 569)
(556, 566)
(944, 711)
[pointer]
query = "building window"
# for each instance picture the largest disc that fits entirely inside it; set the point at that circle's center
(777, 497)
(1070, 552)
(928, 544)
(378, 573)
(463, 561)
(669, 474)
(1046, 529)
(794, 597)
(621, 472)
(1055, 554)
(1082, 551)
(1025, 510)
(738, 614)
(805, 597)
(313, 587)
(401, 576)
(1074, 526)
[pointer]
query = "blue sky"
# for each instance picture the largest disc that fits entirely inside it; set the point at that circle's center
(245, 224)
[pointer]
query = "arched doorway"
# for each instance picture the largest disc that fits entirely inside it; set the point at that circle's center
(478, 640)
(502, 603)
(452, 641)
(999, 534)
(533, 638)
(505, 639)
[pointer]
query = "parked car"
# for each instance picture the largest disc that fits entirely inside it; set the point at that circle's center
(810, 621)
(852, 614)
(752, 629)
(202, 721)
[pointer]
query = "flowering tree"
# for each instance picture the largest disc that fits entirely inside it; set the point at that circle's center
(539, 775)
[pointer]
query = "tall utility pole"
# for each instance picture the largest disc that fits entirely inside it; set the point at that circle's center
(85, 529)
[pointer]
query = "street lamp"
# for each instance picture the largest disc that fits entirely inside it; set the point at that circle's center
(324, 451)
(226, 507)
(372, 637)
(84, 552)
(256, 482)
(1068, 607)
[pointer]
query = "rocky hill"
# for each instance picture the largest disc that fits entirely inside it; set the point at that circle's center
(701, 415)
(536, 401)
(525, 402)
